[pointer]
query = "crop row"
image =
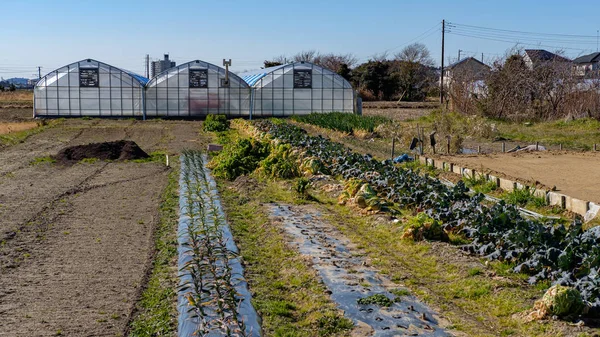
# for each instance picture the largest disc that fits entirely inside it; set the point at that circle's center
(544, 249)
(209, 278)
(340, 121)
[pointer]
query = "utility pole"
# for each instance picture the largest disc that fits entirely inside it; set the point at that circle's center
(442, 72)
(481, 57)
(39, 72)
(459, 54)
(147, 66)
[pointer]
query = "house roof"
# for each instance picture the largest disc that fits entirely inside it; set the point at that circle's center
(465, 60)
(541, 55)
(593, 57)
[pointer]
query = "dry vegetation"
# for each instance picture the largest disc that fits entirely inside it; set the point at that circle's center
(16, 99)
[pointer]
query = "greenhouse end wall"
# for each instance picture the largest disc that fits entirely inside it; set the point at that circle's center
(89, 88)
(298, 89)
(197, 89)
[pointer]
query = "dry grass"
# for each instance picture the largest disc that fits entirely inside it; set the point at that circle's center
(18, 98)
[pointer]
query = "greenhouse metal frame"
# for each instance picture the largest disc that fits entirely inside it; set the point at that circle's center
(90, 88)
(196, 89)
(298, 88)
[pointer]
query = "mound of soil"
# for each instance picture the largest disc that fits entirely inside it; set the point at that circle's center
(119, 150)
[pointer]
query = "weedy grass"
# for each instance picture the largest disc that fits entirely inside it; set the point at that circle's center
(156, 311)
(286, 290)
(344, 122)
(524, 197)
(43, 160)
(480, 184)
(475, 303)
(578, 134)
(155, 157)
(20, 136)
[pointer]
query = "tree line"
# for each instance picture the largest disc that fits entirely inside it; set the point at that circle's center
(409, 75)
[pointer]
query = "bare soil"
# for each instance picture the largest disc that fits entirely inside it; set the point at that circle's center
(572, 173)
(76, 241)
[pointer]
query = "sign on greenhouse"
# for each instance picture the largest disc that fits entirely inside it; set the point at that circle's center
(198, 78)
(302, 78)
(88, 77)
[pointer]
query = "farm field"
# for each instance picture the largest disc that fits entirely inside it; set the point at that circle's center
(77, 241)
(80, 243)
(574, 174)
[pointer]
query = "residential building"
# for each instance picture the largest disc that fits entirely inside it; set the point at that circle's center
(587, 65)
(158, 67)
(536, 57)
(468, 69)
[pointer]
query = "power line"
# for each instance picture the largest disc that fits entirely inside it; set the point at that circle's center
(519, 31)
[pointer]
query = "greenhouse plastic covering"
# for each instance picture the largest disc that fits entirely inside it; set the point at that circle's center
(89, 88)
(298, 89)
(197, 88)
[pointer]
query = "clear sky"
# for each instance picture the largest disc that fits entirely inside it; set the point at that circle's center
(55, 33)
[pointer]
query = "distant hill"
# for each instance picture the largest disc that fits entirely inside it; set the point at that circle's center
(17, 81)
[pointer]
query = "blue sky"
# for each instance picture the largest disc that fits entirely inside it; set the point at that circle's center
(54, 33)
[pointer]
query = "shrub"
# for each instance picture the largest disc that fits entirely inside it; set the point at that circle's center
(239, 158)
(216, 123)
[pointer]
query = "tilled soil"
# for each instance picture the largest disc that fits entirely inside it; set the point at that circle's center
(574, 174)
(77, 240)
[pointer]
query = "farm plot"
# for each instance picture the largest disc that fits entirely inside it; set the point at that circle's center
(77, 239)
(213, 297)
(364, 295)
(573, 174)
(543, 249)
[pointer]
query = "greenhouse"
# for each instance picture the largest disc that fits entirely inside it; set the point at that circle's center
(298, 88)
(196, 89)
(89, 88)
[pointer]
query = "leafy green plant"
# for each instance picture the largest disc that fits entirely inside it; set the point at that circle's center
(280, 163)
(422, 227)
(378, 299)
(302, 185)
(239, 158)
(216, 123)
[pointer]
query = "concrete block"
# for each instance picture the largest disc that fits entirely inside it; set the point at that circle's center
(579, 206)
(557, 199)
(423, 160)
(520, 186)
(540, 193)
(457, 169)
(467, 172)
(440, 165)
(507, 185)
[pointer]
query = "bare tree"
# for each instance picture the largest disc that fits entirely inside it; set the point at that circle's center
(380, 57)
(306, 56)
(415, 53)
(336, 62)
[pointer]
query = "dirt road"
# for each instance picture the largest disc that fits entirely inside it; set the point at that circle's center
(574, 174)
(76, 240)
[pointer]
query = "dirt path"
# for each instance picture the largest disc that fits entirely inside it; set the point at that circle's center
(349, 278)
(573, 174)
(76, 240)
